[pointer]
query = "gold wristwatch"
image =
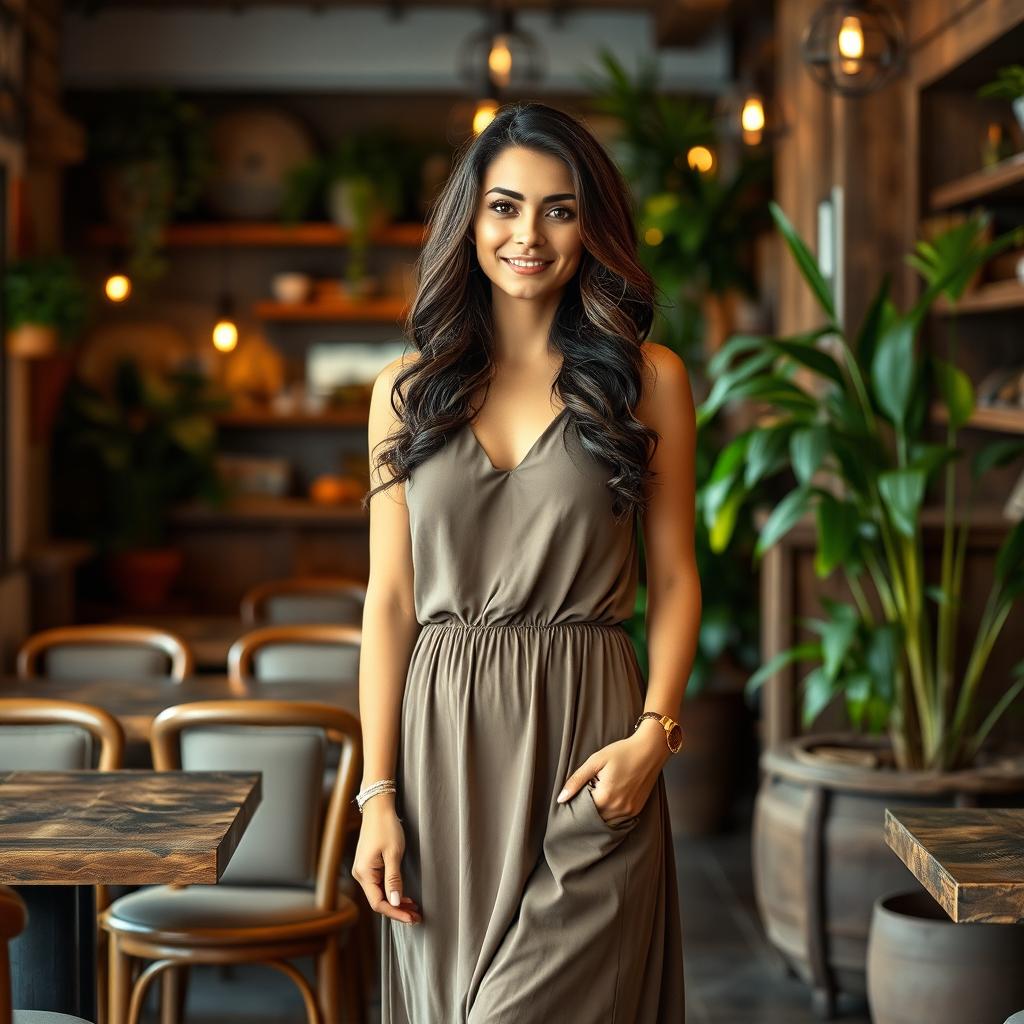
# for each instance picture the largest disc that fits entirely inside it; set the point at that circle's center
(673, 731)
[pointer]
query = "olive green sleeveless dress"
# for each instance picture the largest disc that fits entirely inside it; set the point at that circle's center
(534, 912)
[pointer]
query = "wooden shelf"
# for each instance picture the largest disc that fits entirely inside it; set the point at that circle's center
(244, 234)
(1001, 419)
(1005, 180)
(989, 298)
(383, 310)
(255, 510)
(355, 417)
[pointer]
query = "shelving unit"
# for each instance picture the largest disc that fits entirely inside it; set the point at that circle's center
(387, 309)
(267, 235)
(1003, 420)
(1003, 181)
(997, 297)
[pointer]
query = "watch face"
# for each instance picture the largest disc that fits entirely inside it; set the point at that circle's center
(675, 738)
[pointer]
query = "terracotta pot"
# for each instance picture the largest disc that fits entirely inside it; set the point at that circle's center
(32, 341)
(143, 577)
(923, 967)
(819, 853)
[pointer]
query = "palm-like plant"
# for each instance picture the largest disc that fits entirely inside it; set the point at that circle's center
(854, 439)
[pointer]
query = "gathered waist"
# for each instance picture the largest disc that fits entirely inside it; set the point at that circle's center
(571, 624)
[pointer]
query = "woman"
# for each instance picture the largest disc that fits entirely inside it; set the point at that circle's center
(514, 812)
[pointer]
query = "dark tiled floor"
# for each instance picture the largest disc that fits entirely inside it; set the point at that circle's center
(732, 976)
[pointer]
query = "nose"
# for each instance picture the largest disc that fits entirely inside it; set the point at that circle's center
(528, 233)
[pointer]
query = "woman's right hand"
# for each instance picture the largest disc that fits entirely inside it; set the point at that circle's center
(377, 862)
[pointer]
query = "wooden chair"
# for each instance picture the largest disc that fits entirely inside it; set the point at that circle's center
(327, 600)
(112, 651)
(41, 734)
(331, 654)
(296, 653)
(279, 897)
(13, 917)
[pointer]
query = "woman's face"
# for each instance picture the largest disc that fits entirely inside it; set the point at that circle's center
(527, 212)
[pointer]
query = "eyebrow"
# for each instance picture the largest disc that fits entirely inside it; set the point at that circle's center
(519, 195)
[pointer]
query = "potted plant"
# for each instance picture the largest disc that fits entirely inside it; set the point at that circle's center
(1008, 85)
(856, 444)
(154, 156)
(44, 304)
(361, 183)
(125, 458)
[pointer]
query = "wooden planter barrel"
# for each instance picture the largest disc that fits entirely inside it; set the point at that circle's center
(819, 854)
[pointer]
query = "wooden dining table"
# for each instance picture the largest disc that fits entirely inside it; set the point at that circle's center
(136, 702)
(61, 833)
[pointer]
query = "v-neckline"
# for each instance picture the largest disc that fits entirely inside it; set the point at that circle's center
(533, 447)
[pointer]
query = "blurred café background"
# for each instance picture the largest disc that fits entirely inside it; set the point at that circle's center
(211, 212)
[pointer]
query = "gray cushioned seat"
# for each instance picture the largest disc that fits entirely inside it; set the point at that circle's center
(212, 907)
(44, 1017)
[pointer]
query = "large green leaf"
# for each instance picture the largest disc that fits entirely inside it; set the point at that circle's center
(902, 491)
(805, 261)
(800, 652)
(818, 693)
(1010, 559)
(811, 357)
(837, 532)
(998, 453)
(893, 370)
(956, 389)
(807, 448)
(784, 517)
(767, 452)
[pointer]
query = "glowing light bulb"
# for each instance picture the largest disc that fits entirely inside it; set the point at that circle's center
(851, 38)
(851, 45)
(700, 158)
(654, 236)
(117, 287)
(225, 335)
(752, 117)
(499, 60)
(484, 115)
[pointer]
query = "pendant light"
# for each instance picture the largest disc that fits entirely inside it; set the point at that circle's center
(853, 47)
(501, 54)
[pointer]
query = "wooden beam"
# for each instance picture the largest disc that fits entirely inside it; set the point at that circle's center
(686, 22)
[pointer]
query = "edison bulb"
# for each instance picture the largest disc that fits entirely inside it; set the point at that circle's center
(499, 60)
(117, 287)
(225, 336)
(851, 38)
(752, 117)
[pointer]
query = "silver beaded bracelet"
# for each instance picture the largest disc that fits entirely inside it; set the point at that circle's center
(382, 786)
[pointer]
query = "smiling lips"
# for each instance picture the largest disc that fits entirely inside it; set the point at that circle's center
(525, 265)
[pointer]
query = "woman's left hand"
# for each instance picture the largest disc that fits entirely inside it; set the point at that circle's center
(626, 772)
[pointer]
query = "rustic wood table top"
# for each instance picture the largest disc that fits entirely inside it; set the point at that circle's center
(970, 859)
(136, 702)
(122, 828)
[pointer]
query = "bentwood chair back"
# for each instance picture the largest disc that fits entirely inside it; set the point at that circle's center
(13, 918)
(38, 734)
(279, 897)
(273, 654)
(305, 600)
(105, 651)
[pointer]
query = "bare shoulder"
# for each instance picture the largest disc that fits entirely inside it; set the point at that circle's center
(382, 414)
(666, 387)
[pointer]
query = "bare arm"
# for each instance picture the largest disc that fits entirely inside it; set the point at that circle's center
(389, 618)
(389, 632)
(673, 584)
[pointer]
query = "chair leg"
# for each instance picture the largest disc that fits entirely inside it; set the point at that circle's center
(120, 986)
(327, 979)
(313, 1015)
(173, 989)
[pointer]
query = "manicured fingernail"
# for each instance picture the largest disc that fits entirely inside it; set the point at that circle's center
(562, 796)
(395, 898)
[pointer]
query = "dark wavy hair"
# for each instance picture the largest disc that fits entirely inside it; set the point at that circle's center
(604, 315)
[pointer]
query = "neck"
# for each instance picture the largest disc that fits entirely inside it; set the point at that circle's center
(522, 327)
